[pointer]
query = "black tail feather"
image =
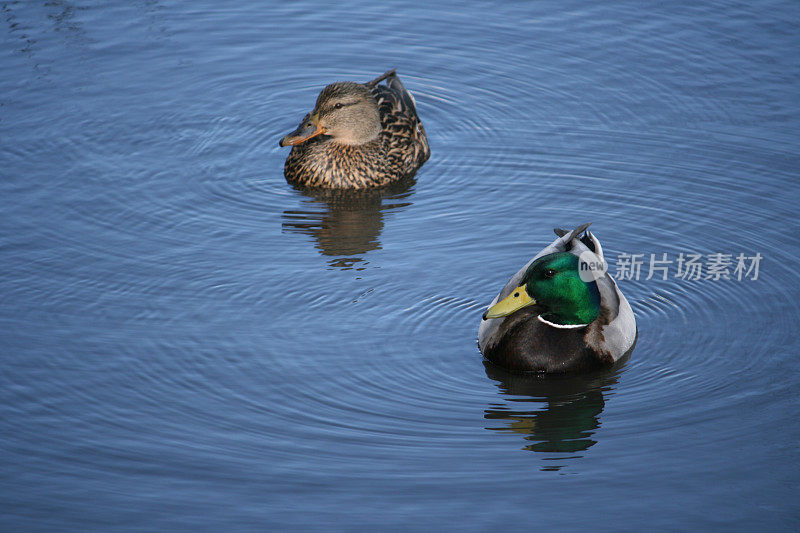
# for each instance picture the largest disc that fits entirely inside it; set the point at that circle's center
(575, 235)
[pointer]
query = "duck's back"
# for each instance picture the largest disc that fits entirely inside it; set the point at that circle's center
(401, 129)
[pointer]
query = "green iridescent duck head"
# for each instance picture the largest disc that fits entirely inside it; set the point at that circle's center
(554, 287)
(345, 111)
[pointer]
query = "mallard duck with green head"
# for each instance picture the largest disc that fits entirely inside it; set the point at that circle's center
(358, 136)
(562, 312)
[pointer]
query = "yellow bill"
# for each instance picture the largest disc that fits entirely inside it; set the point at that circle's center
(518, 299)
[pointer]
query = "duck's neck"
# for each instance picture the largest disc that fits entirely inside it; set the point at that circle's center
(357, 138)
(573, 317)
(560, 326)
(581, 305)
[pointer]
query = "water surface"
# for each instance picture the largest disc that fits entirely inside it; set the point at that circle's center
(190, 343)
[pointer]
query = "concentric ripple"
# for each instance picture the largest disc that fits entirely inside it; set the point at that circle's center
(191, 343)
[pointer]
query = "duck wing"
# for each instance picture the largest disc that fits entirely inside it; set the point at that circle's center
(400, 124)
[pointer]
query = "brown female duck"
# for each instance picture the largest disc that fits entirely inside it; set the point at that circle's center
(359, 136)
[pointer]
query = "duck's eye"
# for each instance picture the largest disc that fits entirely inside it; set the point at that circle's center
(338, 105)
(549, 273)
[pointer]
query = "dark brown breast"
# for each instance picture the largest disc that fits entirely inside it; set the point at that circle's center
(526, 344)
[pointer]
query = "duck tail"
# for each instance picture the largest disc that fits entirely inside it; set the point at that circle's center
(387, 74)
(567, 235)
(594, 245)
(588, 238)
(394, 83)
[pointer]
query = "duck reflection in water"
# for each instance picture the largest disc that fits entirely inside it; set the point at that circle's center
(346, 224)
(557, 414)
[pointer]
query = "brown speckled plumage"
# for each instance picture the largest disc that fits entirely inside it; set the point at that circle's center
(398, 152)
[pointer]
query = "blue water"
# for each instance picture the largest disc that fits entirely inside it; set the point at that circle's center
(188, 343)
